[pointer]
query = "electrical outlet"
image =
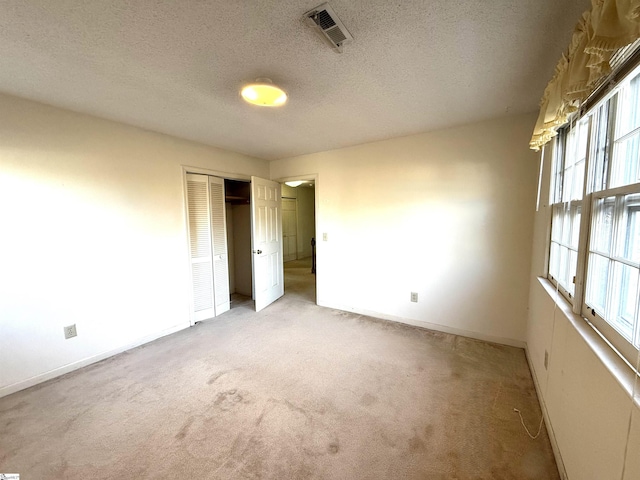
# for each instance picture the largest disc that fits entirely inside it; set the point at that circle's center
(325, 237)
(546, 359)
(414, 297)
(70, 331)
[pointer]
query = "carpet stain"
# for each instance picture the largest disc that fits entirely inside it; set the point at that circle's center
(387, 440)
(368, 400)
(15, 408)
(216, 376)
(184, 429)
(333, 448)
(428, 431)
(68, 424)
(60, 471)
(416, 444)
(295, 408)
(230, 397)
(134, 395)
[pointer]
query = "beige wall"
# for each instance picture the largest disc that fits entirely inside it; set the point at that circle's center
(288, 192)
(447, 214)
(585, 388)
(93, 233)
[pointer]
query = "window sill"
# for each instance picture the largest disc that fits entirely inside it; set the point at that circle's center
(612, 361)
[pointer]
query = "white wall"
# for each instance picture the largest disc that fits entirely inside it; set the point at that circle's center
(585, 389)
(447, 214)
(93, 233)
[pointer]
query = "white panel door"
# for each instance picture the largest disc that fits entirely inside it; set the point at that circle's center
(219, 244)
(266, 242)
(289, 229)
(200, 247)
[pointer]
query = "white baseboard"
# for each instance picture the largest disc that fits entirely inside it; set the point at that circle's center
(431, 326)
(547, 423)
(56, 372)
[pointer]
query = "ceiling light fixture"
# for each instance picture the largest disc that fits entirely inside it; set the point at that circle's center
(295, 183)
(264, 93)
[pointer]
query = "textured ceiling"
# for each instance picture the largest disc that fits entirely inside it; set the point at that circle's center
(176, 66)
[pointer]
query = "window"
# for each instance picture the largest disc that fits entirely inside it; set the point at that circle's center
(595, 261)
(567, 206)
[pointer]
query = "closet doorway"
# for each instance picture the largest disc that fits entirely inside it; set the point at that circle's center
(238, 210)
(235, 242)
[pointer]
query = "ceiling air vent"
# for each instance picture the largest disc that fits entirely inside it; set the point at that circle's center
(325, 21)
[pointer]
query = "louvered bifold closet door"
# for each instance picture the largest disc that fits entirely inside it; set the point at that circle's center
(219, 233)
(200, 247)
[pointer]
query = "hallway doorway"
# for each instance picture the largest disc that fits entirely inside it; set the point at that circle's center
(299, 234)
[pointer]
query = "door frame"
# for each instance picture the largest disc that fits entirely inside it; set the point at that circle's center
(315, 178)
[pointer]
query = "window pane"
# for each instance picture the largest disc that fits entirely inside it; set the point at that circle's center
(628, 108)
(566, 226)
(578, 180)
(567, 185)
(558, 168)
(573, 264)
(600, 147)
(564, 265)
(554, 260)
(556, 225)
(574, 161)
(602, 226)
(597, 280)
(624, 298)
(629, 230)
(625, 161)
(576, 211)
(583, 130)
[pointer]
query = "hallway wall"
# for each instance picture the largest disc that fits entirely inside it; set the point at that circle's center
(306, 220)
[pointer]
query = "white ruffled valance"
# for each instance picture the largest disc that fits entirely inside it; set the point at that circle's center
(607, 27)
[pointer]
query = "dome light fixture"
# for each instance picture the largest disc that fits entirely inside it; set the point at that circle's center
(263, 93)
(295, 183)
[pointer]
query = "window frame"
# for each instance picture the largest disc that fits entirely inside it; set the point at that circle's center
(596, 186)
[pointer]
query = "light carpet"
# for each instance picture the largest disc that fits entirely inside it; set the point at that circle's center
(293, 392)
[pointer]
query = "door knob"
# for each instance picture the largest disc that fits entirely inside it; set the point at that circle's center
(257, 251)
